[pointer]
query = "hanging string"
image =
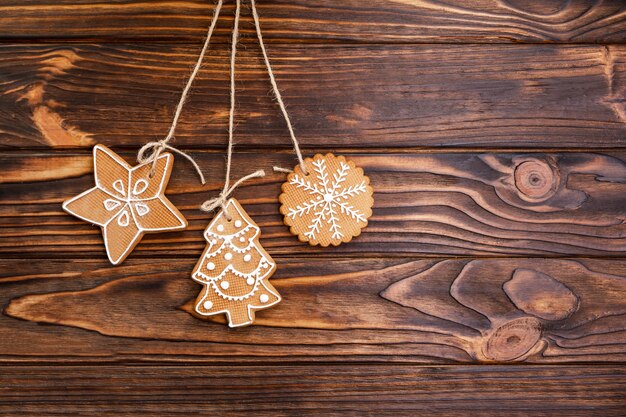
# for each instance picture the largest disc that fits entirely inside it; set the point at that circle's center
(150, 151)
(279, 98)
(220, 201)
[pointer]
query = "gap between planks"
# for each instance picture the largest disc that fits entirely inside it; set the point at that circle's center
(308, 152)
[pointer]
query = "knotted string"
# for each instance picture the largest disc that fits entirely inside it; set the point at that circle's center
(279, 98)
(156, 148)
(220, 201)
(150, 151)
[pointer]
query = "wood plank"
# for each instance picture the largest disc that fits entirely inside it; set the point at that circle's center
(343, 310)
(325, 20)
(471, 204)
(279, 390)
(366, 96)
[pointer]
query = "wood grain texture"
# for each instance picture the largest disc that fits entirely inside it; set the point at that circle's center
(324, 20)
(430, 203)
(366, 96)
(279, 390)
(349, 310)
(488, 282)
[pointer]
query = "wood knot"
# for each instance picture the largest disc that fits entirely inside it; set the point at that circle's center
(512, 339)
(536, 180)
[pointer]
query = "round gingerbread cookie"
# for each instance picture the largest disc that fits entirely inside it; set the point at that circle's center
(330, 203)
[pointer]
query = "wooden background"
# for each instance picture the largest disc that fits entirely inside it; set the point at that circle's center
(492, 277)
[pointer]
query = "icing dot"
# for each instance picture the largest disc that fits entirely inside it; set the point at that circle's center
(242, 239)
(220, 227)
(207, 305)
(228, 256)
(224, 284)
(238, 223)
(264, 298)
(247, 257)
(250, 281)
(210, 266)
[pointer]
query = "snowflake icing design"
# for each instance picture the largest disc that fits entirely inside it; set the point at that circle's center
(330, 200)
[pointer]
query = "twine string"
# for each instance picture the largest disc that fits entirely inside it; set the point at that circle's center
(220, 201)
(233, 92)
(156, 147)
(279, 98)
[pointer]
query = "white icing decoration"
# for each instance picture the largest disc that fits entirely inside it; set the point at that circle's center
(238, 223)
(118, 185)
(111, 204)
(229, 237)
(224, 284)
(228, 256)
(220, 227)
(140, 186)
(120, 206)
(123, 219)
(208, 305)
(210, 266)
(247, 257)
(142, 209)
(264, 298)
(326, 196)
(226, 247)
(257, 273)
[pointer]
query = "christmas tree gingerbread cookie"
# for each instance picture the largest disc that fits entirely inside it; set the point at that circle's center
(234, 269)
(127, 202)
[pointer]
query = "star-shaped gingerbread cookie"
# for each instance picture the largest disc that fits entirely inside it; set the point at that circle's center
(126, 202)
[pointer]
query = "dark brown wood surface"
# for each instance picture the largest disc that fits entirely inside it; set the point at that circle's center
(425, 203)
(491, 279)
(285, 390)
(407, 21)
(339, 96)
(430, 311)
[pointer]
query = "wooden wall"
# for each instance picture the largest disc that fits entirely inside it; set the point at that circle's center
(492, 276)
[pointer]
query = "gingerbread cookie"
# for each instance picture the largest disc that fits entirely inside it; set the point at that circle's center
(126, 202)
(234, 269)
(330, 204)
